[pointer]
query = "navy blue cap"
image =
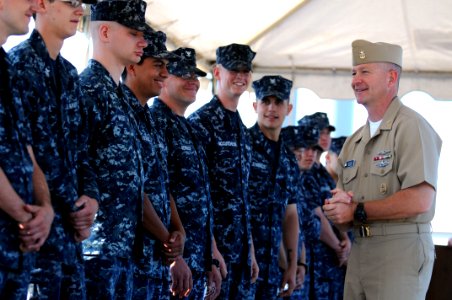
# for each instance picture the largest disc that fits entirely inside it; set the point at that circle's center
(301, 137)
(185, 64)
(337, 143)
(235, 57)
(128, 13)
(272, 86)
(156, 45)
(318, 119)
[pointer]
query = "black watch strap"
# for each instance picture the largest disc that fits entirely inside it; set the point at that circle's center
(215, 262)
(360, 214)
(303, 264)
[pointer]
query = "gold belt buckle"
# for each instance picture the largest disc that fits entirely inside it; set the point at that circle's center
(364, 230)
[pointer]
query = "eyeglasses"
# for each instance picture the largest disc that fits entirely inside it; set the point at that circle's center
(189, 76)
(74, 3)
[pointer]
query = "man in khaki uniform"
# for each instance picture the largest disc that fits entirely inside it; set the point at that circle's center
(387, 184)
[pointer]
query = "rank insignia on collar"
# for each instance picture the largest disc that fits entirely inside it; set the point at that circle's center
(349, 164)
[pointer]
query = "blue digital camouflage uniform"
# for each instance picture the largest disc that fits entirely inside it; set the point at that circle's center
(273, 184)
(320, 285)
(189, 186)
(115, 154)
(226, 142)
(326, 182)
(320, 121)
(329, 277)
(150, 275)
(300, 137)
(51, 95)
(16, 163)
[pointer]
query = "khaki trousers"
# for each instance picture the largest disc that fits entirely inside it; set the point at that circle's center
(390, 267)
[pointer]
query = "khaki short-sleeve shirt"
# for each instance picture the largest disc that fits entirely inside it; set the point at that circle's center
(403, 152)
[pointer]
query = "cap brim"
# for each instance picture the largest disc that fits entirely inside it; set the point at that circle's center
(277, 95)
(238, 66)
(200, 72)
(197, 71)
(139, 27)
(165, 55)
(313, 146)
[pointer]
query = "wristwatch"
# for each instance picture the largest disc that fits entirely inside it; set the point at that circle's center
(299, 263)
(215, 262)
(360, 214)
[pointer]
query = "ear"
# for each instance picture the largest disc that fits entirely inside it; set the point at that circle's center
(131, 71)
(40, 6)
(289, 109)
(255, 106)
(216, 72)
(104, 32)
(393, 76)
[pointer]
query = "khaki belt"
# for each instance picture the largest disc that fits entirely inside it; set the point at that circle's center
(368, 230)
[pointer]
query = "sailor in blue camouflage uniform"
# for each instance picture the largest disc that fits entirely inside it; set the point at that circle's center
(331, 273)
(273, 190)
(51, 96)
(189, 181)
(298, 138)
(113, 148)
(321, 122)
(16, 170)
(21, 179)
(143, 81)
(316, 285)
(226, 142)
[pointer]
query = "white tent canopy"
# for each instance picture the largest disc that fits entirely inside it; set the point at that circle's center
(310, 41)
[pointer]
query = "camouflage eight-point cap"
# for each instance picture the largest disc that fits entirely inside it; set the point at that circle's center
(318, 119)
(128, 13)
(235, 57)
(301, 137)
(186, 64)
(156, 45)
(272, 86)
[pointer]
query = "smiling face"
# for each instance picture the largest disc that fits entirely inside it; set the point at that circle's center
(232, 83)
(271, 113)
(148, 77)
(373, 81)
(179, 92)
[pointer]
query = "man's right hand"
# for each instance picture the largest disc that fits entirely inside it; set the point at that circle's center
(34, 232)
(213, 283)
(181, 278)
